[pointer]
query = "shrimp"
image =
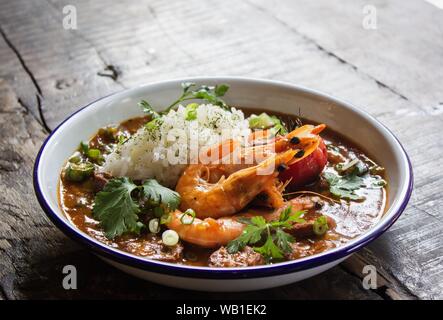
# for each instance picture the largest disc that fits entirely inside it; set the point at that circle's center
(217, 190)
(307, 140)
(234, 158)
(214, 233)
(271, 196)
(208, 233)
(227, 195)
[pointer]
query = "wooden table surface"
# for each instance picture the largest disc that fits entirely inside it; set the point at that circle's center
(395, 72)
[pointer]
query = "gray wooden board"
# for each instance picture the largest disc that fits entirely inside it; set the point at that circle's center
(394, 72)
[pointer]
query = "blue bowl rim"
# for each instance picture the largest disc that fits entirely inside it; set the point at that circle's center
(222, 273)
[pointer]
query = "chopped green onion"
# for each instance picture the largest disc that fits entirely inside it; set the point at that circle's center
(154, 225)
(185, 217)
(378, 182)
(79, 171)
(191, 111)
(320, 225)
(75, 158)
(153, 124)
(84, 147)
(94, 154)
(165, 218)
(262, 121)
(170, 238)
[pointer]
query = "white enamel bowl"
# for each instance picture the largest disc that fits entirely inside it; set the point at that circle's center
(272, 95)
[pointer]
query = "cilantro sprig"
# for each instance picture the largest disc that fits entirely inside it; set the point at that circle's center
(117, 206)
(148, 109)
(345, 186)
(269, 237)
(211, 94)
(158, 195)
(354, 176)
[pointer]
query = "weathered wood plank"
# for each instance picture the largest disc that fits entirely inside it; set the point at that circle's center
(401, 53)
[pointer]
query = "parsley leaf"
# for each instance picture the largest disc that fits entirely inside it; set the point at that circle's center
(275, 241)
(118, 212)
(286, 216)
(160, 195)
(147, 108)
(221, 89)
(344, 186)
(211, 94)
(287, 219)
(269, 249)
(115, 208)
(283, 239)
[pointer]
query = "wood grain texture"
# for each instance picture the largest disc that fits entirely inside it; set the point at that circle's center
(394, 73)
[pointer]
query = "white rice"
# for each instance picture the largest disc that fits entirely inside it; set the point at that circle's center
(164, 152)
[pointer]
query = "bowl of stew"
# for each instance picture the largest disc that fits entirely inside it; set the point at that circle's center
(222, 183)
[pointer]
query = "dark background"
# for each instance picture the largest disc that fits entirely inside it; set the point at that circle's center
(46, 72)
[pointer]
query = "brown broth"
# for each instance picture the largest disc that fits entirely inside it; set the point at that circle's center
(352, 218)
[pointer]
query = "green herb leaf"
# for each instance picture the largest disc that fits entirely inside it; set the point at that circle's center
(296, 217)
(158, 194)
(284, 215)
(209, 93)
(115, 208)
(283, 240)
(269, 250)
(187, 86)
(236, 245)
(287, 219)
(276, 242)
(259, 221)
(84, 147)
(147, 108)
(344, 186)
(221, 89)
